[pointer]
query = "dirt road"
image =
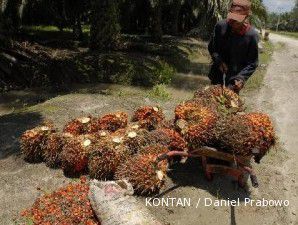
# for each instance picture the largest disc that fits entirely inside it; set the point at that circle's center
(280, 94)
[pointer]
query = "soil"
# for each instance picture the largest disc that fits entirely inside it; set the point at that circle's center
(21, 183)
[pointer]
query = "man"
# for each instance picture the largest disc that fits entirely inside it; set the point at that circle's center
(234, 47)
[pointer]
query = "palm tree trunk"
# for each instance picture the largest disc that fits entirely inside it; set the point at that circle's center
(157, 20)
(105, 28)
(176, 6)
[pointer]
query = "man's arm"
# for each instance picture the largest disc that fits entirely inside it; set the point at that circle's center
(252, 61)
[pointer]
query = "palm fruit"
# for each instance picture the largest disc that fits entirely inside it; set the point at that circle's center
(113, 121)
(133, 137)
(53, 148)
(175, 141)
(80, 126)
(224, 99)
(247, 135)
(144, 173)
(155, 149)
(75, 153)
(105, 158)
(196, 123)
(148, 117)
(135, 140)
(32, 142)
(67, 205)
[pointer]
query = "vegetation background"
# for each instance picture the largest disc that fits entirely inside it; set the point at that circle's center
(139, 42)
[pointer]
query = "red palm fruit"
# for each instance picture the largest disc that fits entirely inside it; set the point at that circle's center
(144, 173)
(199, 135)
(148, 117)
(133, 137)
(224, 98)
(263, 129)
(75, 153)
(53, 148)
(196, 123)
(105, 158)
(113, 121)
(175, 141)
(65, 206)
(154, 149)
(80, 126)
(135, 140)
(247, 135)
(32, 142)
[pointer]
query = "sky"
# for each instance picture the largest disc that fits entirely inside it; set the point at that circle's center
(279, 5)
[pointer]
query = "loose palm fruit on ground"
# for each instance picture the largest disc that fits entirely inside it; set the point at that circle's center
(144, 173)
(67, 205)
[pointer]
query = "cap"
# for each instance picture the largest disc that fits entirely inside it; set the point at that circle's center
(239, 10)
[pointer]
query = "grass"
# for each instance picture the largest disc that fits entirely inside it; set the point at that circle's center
(256, 80)
(159, 92)
(287, 33)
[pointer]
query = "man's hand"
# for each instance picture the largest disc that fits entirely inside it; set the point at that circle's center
(223, 68)
(237, 86)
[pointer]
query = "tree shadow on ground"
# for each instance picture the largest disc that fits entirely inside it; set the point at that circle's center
(12, 127)
(191, 174)
(62, 40)
(177, 54)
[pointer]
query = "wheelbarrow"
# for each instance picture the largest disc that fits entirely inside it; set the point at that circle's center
(238, 169)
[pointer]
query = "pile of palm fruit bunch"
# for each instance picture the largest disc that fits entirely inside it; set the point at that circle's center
(113, 146)
(67, 205)
(108, 147)
(216, 117)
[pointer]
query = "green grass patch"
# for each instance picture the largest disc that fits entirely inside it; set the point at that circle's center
(159, 92)
(256, 80)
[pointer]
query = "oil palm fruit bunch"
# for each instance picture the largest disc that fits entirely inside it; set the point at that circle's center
(224, 99)
(32, 142)
(113, 121)
(148, 117)
(136, 140)
(105, 158)
(145, 174)
(175, 140)
(196, 123)
(82, 125)
(155, 149)
(75, 153)
(247, 135)
(53, 148)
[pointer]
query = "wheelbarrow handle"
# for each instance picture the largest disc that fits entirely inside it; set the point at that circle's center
(254, 181)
